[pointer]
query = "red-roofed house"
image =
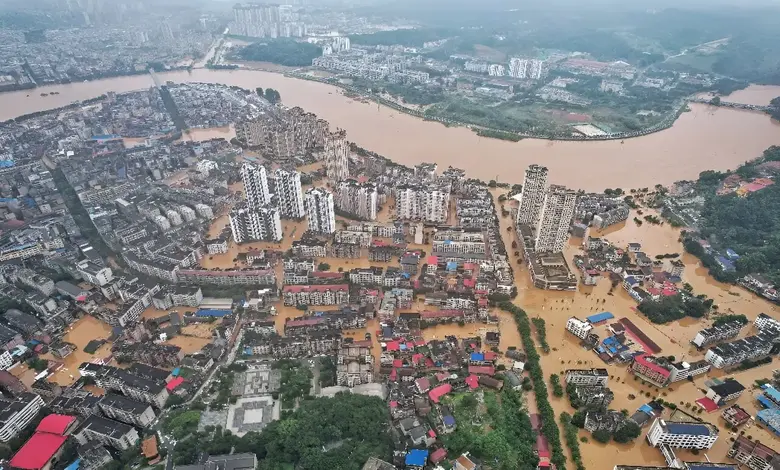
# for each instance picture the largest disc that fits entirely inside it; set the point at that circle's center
(423, 384)
(393, 346)
(472, 381)
(40, 452)
(398, 363)
(438, 455)
(439, 392)
(174, 383)
(643, 366)
(485, 370)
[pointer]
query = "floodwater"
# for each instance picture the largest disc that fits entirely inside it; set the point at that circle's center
(80, 334)
(704, 138)
(673, 338)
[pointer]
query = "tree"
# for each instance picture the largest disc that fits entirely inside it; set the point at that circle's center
(715, 101)
(272, 96)
(627, 433)
(323, 267)
(259, 92)
(602, 436)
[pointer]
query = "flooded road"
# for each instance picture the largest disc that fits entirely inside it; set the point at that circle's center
(704, 138)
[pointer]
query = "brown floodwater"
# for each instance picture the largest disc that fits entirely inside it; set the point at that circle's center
(704, 138)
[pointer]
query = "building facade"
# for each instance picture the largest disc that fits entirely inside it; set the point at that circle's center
(682, 435)
(532, 195)
(289, 194)
(320, 210)
(249, 224)
(552, 231)
(255, 185)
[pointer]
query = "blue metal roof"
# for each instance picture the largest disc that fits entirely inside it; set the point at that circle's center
(646, 409)
(765, 402)
(599, 317)
(417, 457)
(773, 394)
(74, 465)
(449, 420)
(212, 312)
(688, 429)
(477, 357)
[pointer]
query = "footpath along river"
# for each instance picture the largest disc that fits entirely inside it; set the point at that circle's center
(704, 138)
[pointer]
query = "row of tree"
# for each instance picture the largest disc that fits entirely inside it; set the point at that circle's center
(271, 95)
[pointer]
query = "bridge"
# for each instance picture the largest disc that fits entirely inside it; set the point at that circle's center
(728, 104)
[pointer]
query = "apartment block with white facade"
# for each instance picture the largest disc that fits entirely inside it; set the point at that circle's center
(255, 185)
(248, 224)
(532, 195)
(289, 194)
(358, 199)
(717, 333)
(552, 231)
(320, 210)
(734, 352)
(579, 328)
(429, 203)
(337, 156)
(95, 273)
(764, 321)
(682, 435)
(587, 377)
(17, 413)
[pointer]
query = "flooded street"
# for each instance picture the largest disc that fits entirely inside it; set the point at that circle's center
(80, 334)
(704, 138)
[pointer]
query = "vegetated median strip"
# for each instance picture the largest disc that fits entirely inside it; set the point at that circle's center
(570, 432)
(549, 428)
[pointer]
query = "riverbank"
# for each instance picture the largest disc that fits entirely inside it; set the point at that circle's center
(494, 133)
(705, 138)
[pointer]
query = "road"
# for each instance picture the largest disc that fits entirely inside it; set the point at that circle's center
(233, 344)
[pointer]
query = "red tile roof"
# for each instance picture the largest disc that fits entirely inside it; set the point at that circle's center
(439, 392)
(55, 424)
(542, 447)
(642, 359)
(486, 370)
(438, 455)
(37, 451)
(174, 383)
(316, 288)
(472, 381)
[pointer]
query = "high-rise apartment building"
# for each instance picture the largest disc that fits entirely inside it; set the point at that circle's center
(430, 203)
(255, 185)
(552, 231)
(320, 210)
(337, 156)
(358, 199)
(289, 194)
(532, 195)
(250, 225)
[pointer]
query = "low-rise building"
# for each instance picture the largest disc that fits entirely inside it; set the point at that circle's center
(682, 435)
(128, 411)
(107, 431)
(753, 454)
(587, 377)
(337, 294)
(609, 421)
(578, 328)
(728, 390)
(717, 333)
(751, 347)
(735, 415)
(244, 461)
(17, 413)
(765, 321)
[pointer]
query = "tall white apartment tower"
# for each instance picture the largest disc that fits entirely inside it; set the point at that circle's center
(552, 231)
(532, 195)
(337, 156)
(255, 185)
(319, 209)
(250, 225)
(288, 190)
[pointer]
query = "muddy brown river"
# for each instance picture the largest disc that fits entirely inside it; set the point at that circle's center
(704, 138)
